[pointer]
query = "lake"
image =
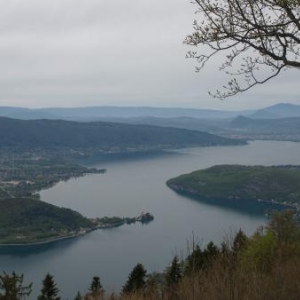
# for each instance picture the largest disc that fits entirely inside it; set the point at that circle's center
(132, 184)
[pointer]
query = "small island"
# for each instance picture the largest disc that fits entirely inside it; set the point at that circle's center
(277, 184)
(109, 222)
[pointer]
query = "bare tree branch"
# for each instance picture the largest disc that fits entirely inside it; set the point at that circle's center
(259, 38)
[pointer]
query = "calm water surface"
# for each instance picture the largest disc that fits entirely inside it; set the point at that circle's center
(130, 186)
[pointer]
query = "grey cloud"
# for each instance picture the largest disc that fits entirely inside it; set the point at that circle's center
(100, 52)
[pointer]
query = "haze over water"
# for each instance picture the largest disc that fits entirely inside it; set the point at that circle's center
(132, 185)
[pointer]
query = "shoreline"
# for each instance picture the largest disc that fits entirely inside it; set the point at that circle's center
(192, 193)
(143, 218)
(44, 242)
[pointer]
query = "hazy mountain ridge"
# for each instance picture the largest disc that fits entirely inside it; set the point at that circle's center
(282, 125)
(277, 111)
(240, 127)
(98, 112)
(277, 122)
(280, 110)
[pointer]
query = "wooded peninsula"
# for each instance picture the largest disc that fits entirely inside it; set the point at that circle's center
(278, 184)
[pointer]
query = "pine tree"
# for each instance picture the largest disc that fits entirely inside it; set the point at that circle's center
(194, 261)
(174, 273)
(96, 289)
(136, 279)
(49, 290)
(209, 254)
(240, 242)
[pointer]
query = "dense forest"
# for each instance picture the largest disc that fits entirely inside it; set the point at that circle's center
(25, 220)
(99, 136)
(263, 266)
(276, 183)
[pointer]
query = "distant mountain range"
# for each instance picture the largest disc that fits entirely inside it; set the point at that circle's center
(108, 112)
(279, 122)
(281, 110)
(284, 125)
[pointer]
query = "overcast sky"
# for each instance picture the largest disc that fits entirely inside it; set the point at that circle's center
(109, 52)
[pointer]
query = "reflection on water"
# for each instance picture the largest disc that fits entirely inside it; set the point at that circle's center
(27, 250)
(242, 206)
(129, 156)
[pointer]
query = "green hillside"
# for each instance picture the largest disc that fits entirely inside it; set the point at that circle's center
(26, 220)
(100, 136)
(280, 184)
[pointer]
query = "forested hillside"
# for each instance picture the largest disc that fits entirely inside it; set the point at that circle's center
(104, 136)
(279, 184)
(25, 220)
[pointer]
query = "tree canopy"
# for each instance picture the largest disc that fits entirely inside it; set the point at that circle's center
(136, 279)
(49, 289)
(12, 287)
(174, 272)
(96, 289)
(258, 38)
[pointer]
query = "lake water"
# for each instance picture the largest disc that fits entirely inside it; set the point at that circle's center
(131, 185)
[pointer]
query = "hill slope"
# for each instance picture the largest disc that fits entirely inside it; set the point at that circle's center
(280, 110)
(284, 125)
(103, 136)
(25, 220)
(281, 184)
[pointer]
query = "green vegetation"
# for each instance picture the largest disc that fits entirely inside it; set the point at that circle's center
(174, 273)
(96, 289)
(37, 154)
(78, 138)
(24, 175)
(263, 266)
(109, 222)
(278, 184)
(27, 221)
(12, 287)
(136, 279)
(49, 290)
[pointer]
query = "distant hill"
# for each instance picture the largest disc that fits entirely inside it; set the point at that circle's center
(239, 127)
(281, 184)
(241, 122)
(277, 122)
(133, 112)
(281, 110)
(206, 125)
(282, 125)
(25, 220)
(25, 113)
(99, 112)
(102, 136)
